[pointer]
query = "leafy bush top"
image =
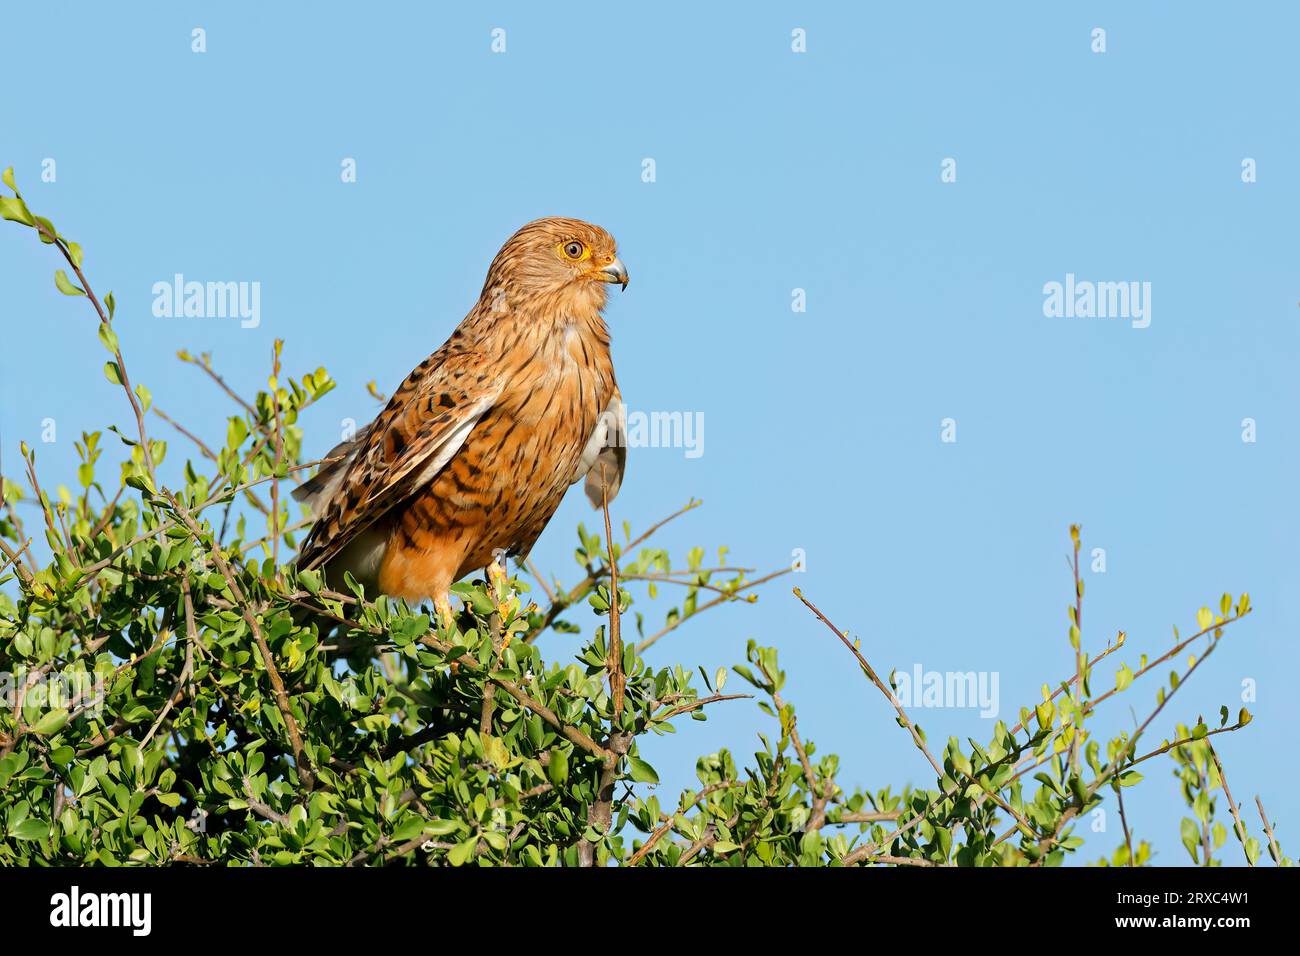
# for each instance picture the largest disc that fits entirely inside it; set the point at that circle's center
(175, 693)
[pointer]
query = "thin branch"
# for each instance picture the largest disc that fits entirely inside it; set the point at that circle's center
(1116, 765)
(206, 367)
(580, 590)
(15, 558)
(1123, 822)
(614, 662)
(671, 820)
(689, 506)
(206, 452)
(198, 442)
(906, 861)
(261, 809)
(1232, 804)
(1060, 689)
(104, 317)
(884, 688)
(695, 704)
(537, 575)
(1273, 849)
(869, 816)
(279, 456)
(722, 599)
(1080, 658)
(214, 497)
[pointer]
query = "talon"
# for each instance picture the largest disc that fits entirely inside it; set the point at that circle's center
(446, 618)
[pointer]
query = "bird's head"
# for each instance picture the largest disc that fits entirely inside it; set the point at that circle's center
(557, 257)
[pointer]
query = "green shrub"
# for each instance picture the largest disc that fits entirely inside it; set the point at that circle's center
(177, 694)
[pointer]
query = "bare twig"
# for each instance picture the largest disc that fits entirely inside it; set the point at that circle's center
(695, 704)
(884, 688)
(1273, 849)
(615, 660)
(1232, 804)
(261, 809)
(15, 558)
(689, 506)
(279, 455)
(1080, 657)
(869, 816)
(537, 576)
(678, 622)
(1123, 822)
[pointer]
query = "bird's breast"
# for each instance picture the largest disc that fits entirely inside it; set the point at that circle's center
(509, 476)
(521, 456)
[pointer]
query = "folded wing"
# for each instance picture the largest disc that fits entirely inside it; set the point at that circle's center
(423, 426)
(605, 457)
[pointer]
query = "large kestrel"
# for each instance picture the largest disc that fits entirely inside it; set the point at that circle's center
(478, 445)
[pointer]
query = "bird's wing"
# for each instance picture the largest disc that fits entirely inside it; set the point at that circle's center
(423, 426)
(605, 456)
(317, 491)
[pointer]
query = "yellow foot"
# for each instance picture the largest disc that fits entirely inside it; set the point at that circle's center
(496, 574)
(446, 618)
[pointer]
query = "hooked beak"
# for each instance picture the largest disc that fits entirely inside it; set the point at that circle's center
(614, 272)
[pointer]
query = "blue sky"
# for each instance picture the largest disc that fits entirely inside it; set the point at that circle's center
(775, 171)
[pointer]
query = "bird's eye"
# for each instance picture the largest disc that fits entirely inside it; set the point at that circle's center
(575, 250)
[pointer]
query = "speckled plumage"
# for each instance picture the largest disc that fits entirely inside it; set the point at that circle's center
(478, 445)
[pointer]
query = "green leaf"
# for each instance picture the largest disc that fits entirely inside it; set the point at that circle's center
(65, 286)
(408, 830)
(107, 337)
(461, 852)
(51, 723)
(557, 770)
(45, 230)
(641, 771)
(31, 830)
(1191, 838)
(1252, 850)
(112, 373)
(495, 751)
(1123, 677)
(15, 210)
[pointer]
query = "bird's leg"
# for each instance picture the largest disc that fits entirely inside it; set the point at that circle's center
(442, 605)
(496, 573)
